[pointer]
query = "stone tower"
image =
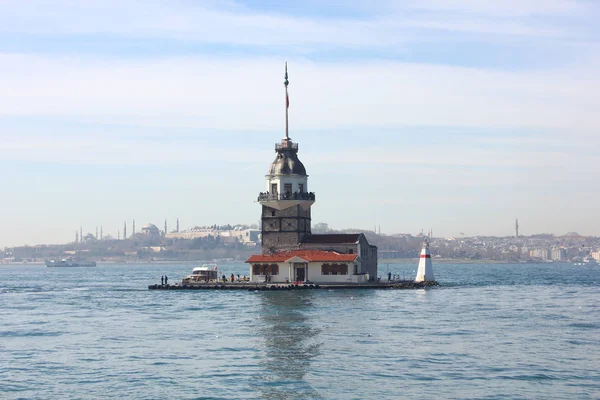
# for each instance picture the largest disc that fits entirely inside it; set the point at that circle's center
(285, 219)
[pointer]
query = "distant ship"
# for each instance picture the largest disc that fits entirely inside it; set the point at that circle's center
(69, 262)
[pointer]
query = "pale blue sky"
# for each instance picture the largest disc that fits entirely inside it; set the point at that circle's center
(454, 115)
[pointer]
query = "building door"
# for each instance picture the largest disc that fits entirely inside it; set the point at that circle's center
(300, 274)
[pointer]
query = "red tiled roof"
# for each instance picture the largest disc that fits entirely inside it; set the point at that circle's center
(308, 255)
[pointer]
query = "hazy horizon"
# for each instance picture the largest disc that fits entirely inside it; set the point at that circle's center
(451, 115)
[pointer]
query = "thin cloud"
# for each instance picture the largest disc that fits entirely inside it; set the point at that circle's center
(206, 93)
(233, 24)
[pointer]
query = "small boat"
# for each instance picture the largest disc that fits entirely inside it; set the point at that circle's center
(586, 261)
(69, 262)
(204, 273)
(589, 261)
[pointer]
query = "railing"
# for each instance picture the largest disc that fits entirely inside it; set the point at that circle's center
(286, 145)
(286, 196)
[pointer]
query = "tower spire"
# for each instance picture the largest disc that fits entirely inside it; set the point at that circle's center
(287, 103)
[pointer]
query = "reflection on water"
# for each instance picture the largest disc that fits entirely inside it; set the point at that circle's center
(290, 342)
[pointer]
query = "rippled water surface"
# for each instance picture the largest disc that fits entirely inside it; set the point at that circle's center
(490, 332)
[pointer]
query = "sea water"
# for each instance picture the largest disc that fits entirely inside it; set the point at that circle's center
(523, 331)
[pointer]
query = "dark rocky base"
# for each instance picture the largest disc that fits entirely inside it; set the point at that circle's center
(273, 287)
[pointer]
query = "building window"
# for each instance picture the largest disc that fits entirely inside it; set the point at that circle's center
(325, 269)
(344, 269)
(301, 187)
(351, 251)
(273, 213)
(334, 269)
(287, 188)
(273, 188)
(265, 269)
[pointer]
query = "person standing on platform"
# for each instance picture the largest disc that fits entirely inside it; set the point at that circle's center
(166, 279)
(232, 278)
(162, 280)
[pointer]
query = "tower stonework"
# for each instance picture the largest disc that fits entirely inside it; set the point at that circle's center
(284, 229)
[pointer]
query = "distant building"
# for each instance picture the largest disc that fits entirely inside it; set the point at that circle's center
(542, 254)
(150, 233)
(559, 254)
(246, 236)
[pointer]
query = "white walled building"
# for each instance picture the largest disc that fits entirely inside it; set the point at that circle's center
(304, 266)
(559, 254)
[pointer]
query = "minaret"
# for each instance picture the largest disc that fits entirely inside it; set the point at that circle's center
(286, 204)
(124, 230)
(100, 232)
(80, 233)
(76, 237)
(177, 225)
(425, 270)
(133, 233)
(118, 234)
(517, 228)
(165, 226)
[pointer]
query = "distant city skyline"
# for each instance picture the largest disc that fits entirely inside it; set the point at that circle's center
(451, 115)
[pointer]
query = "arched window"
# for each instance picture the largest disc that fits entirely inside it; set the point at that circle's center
(325, 269)
(274, 270)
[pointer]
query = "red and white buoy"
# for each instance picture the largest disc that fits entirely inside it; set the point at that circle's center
(425, 270)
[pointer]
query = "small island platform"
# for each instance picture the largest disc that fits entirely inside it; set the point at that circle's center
(253, 286)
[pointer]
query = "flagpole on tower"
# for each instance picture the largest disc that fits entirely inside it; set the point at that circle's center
(287, 103)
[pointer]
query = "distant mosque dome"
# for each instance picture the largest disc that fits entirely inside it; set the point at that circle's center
(149, 228)
(287, 163)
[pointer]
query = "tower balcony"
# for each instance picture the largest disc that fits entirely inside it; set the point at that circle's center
(281, 201)
(286, 145)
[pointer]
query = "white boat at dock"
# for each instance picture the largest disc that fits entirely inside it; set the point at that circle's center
(204, 273)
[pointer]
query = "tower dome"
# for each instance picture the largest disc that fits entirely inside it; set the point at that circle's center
(286, 162)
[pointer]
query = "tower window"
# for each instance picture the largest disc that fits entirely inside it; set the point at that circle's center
(273, 213)
(301, 187)
(273, 188)
(287, 188)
